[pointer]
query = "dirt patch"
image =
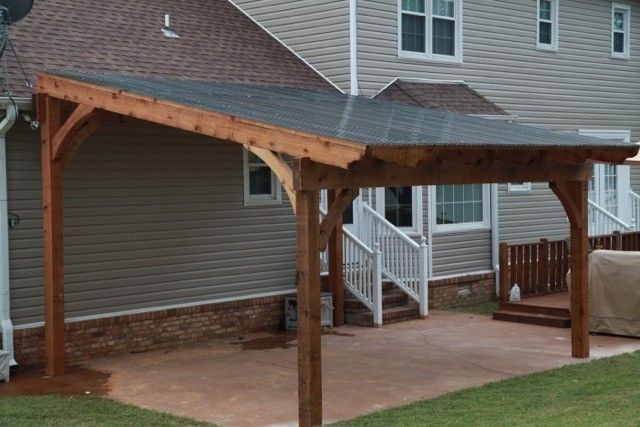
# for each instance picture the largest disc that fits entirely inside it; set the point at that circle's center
(275, 340)
(336, 333)
(77, 381)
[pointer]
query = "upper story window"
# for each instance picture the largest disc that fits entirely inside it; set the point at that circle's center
(620, 31)
(547, 25)
(430, 30)
(461, 207)
(260, 184)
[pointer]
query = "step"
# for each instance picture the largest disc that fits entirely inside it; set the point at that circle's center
(522, 307)
(410, 311)
(532, 318)
(391, 298)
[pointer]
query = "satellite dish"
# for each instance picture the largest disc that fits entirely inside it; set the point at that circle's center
(14, 10)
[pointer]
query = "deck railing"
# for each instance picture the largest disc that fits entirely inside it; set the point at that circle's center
(404, 261)
(541, 268)
(602, 221)
(634, 207)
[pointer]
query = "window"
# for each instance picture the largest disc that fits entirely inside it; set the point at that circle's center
(519, 187)
(461, 207)
(401, 206)
(547, 25)
(620, 31)
(430, 29)
(260, 184)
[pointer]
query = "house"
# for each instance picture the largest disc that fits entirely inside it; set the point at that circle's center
(566, 65)
(159, 224)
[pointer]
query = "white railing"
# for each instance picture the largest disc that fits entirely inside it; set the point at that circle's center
(362, 271)
(404, 261)
(602, 221)
(634, 206)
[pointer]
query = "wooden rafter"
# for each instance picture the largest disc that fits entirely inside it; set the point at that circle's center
(327, 150)
(280, 169)
(334, 213)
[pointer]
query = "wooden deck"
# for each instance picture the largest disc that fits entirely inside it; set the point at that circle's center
(547, 310)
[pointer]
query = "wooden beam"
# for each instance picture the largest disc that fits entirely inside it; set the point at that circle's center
(280, 169)
(320, 148)
(377, 173)
(78, 119)
(335, 261)
(342, 200)
(410, 156)
(50, 112)
(308, 321)
(573, 196)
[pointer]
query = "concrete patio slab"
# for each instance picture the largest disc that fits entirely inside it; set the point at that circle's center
(254, 381)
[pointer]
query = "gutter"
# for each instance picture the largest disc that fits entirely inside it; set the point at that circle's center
(495, 236)
(353, 47)
(6, 326)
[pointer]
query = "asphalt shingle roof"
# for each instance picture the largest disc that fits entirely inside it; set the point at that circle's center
(217, 43)
(353, 118)
(454, 97)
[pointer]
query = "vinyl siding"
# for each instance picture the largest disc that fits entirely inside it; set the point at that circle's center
(580, 87)
(152, 217)
(318, 30)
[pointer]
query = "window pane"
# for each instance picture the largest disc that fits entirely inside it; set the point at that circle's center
(443, 7)
(413, 37)
(618, 42)
(457, 204)
(545, 33)
(545, 9)
(399, 206)
(259, 180)
(444, 32)
(253, 158)
(618, 20)
(413, 5)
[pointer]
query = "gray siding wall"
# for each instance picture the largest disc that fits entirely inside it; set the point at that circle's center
(318, 30)
(152, 217)
(579, 87)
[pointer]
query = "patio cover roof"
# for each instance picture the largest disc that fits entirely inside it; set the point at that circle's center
(358, 123)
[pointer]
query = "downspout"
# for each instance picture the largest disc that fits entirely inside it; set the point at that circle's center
(353, 47)
(495, 236)
(5, 298)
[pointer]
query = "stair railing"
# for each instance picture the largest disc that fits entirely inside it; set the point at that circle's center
(362, 272)
(634, 206)
(602, 221)
(404, 261)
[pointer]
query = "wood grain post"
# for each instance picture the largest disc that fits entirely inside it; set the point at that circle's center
(573, 195)
(543, 267)
(336, 279)
(50, 113)
(617, 241)
(504, 271)
(309, 345)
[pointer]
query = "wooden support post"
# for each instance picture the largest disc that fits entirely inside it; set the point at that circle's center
(50, 118)
(617, 241)
(504, 271)
(336, 279)
(573, 195)
(543, 266)
(309, 345)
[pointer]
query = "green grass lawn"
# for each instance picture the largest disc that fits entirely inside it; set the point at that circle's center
(81, 411)
(601, 393)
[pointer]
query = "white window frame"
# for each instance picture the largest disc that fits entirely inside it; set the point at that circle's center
(627, 31)
(416, 209)
(428, 55)
(524, 187)
(275, 198)
(485, 224)
(623, 171)
(553, 47)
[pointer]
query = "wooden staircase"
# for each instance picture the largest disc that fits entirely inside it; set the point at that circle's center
(533, 314)
(396, 307)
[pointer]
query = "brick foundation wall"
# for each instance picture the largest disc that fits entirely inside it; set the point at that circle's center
(88, 339)
(459, 291)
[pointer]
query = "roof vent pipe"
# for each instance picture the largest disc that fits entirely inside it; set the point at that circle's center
(167, 30)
